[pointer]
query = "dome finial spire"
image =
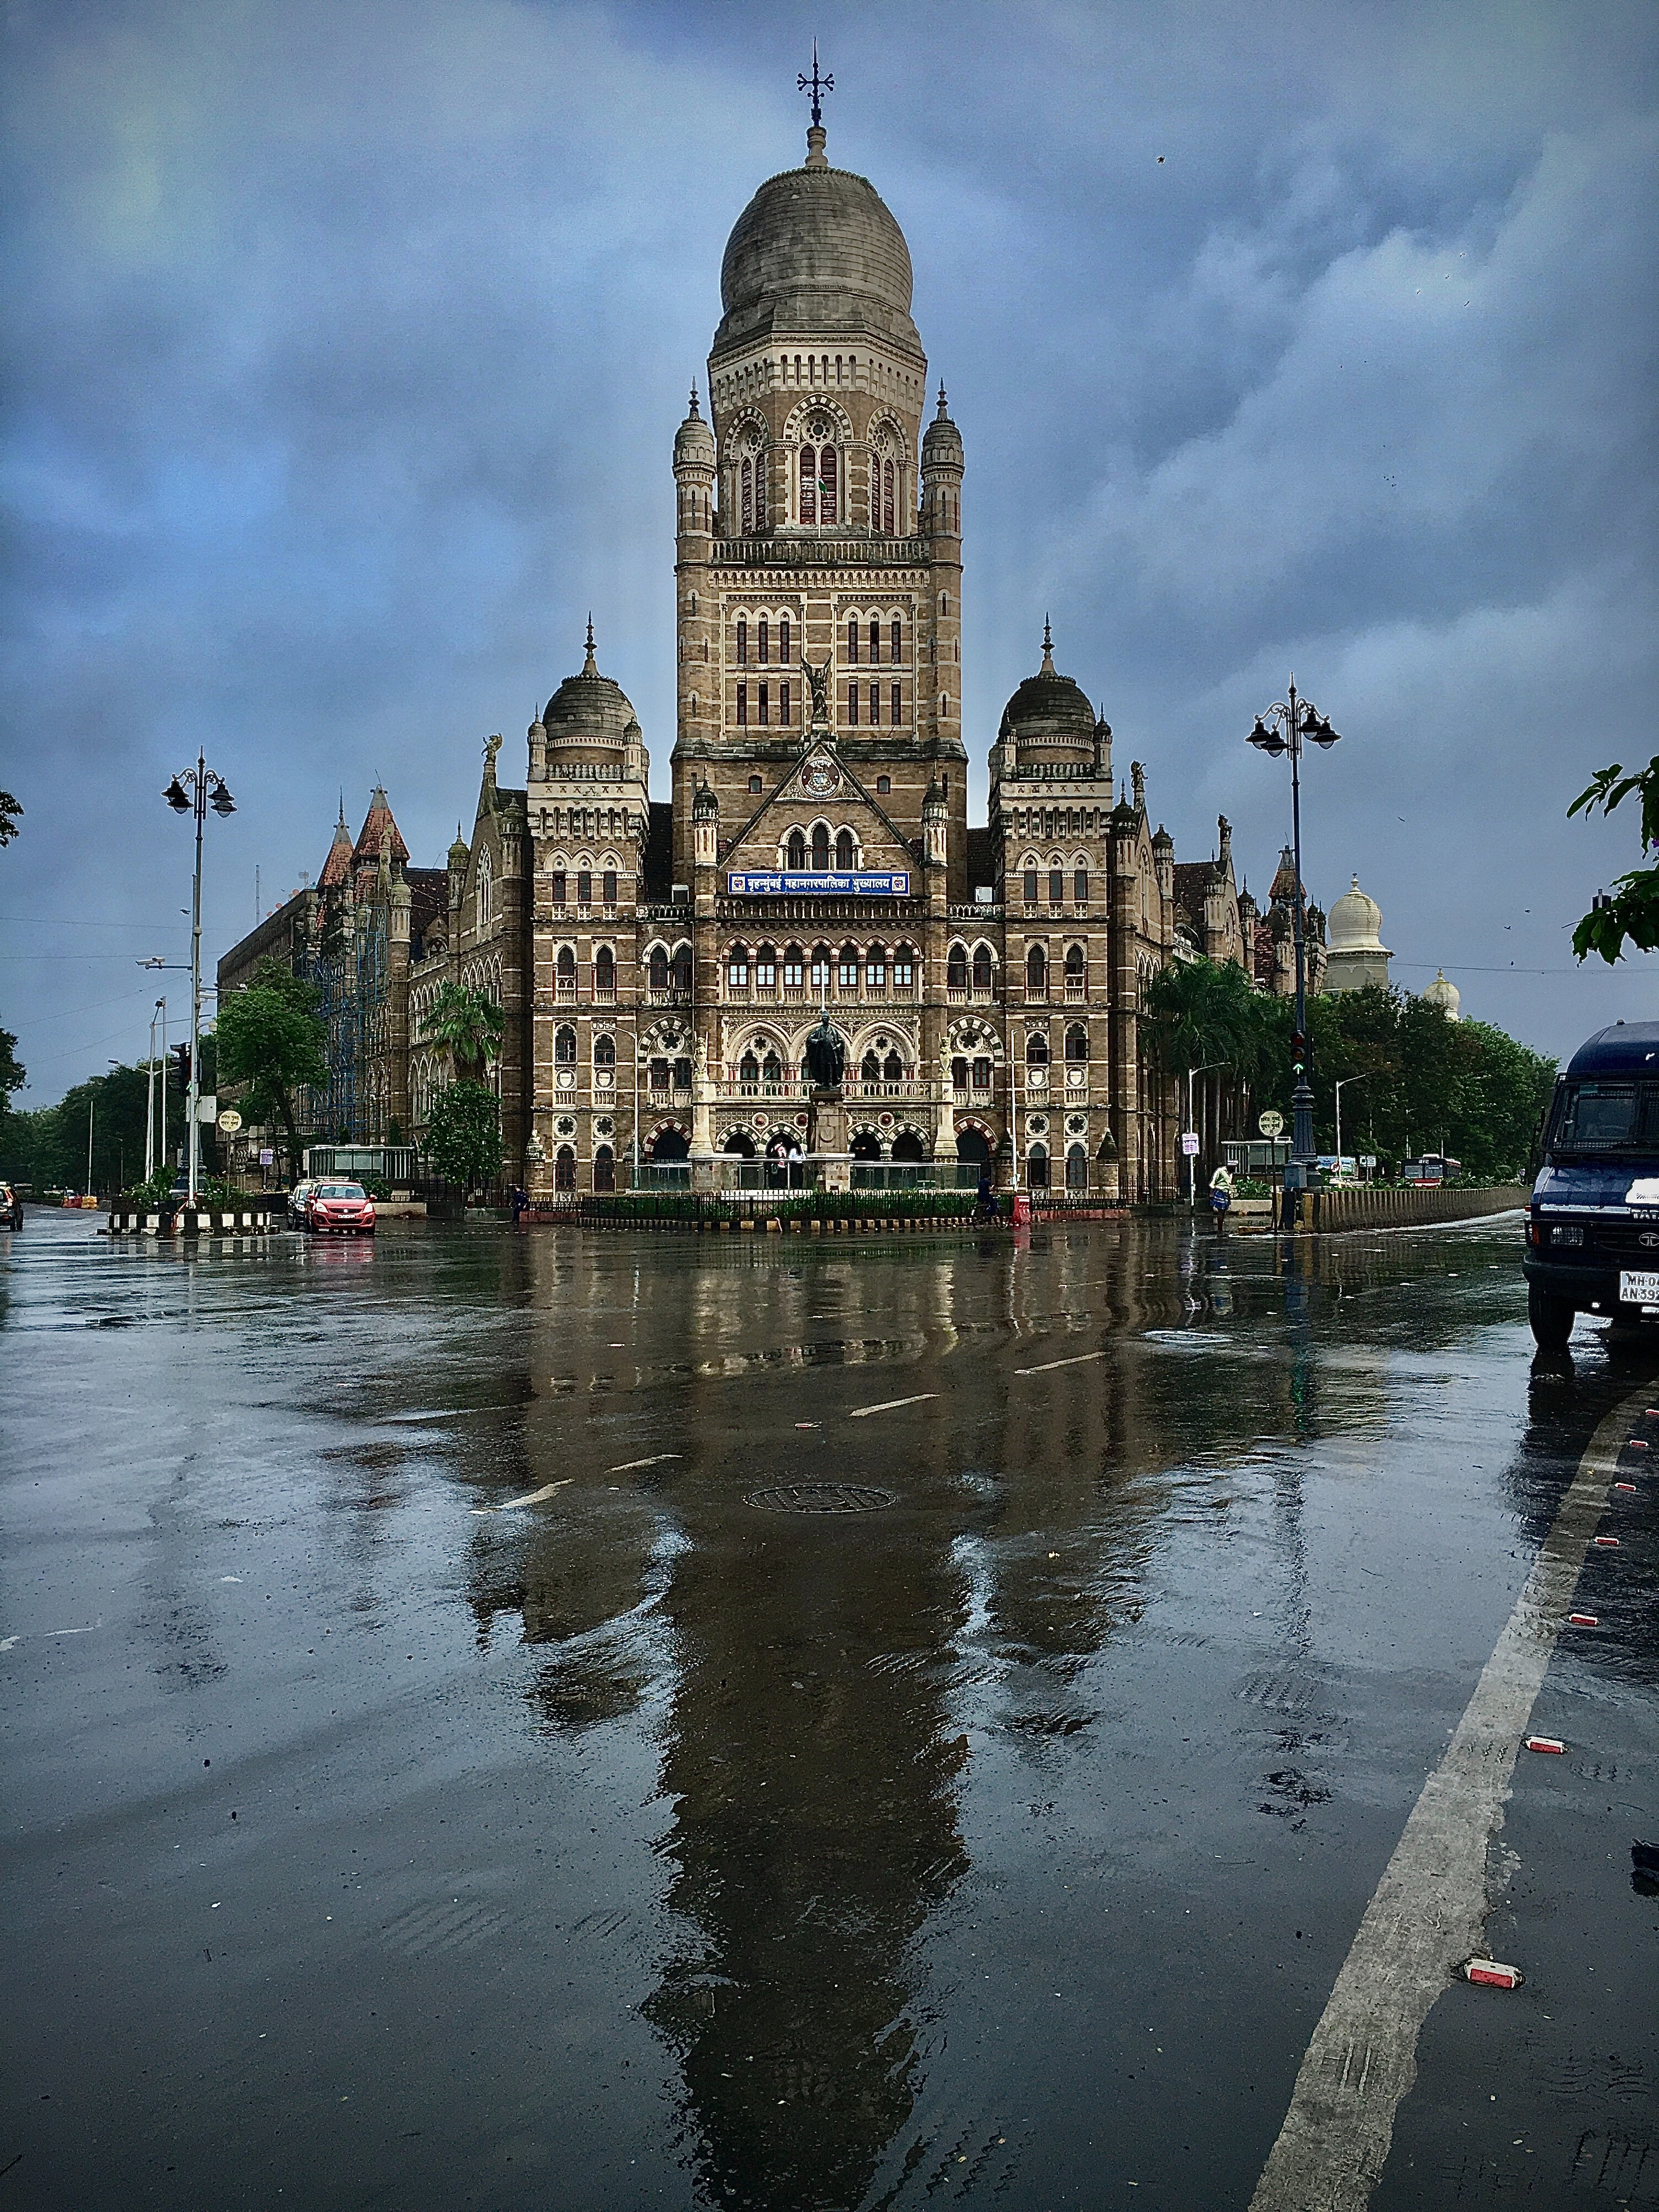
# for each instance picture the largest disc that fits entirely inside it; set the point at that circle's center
(1047, 648)
(694, 417)
(590, 666)
(818, 85)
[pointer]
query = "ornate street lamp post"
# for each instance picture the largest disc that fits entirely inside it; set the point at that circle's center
(194, 791)
(1282, 730)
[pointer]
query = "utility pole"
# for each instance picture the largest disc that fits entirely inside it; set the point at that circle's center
(92, 1100)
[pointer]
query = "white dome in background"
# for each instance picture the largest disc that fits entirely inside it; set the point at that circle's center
(1445, 995)
(1355, 923)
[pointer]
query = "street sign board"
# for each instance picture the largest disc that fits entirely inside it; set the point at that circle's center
(268, 1158)
(230, 1120)
(1190, 1142)
(1271, 1123)
(1368, 1159)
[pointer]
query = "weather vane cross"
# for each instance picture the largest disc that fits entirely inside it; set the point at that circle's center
(818, 85)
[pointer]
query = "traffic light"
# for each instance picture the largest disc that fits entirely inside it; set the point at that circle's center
(181, 1061)
(1299, 1054)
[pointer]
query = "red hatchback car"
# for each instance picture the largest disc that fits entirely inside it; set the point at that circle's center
(340, 1205)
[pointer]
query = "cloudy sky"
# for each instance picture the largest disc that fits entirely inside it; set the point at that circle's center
(347, 344)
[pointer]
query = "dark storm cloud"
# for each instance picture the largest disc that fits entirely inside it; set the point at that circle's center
(348, 343)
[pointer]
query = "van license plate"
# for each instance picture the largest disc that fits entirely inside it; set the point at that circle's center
(1640, 1290)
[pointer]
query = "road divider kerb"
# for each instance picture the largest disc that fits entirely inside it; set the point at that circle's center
(1492, 1974)
(1545, 1743)
(890, 1405)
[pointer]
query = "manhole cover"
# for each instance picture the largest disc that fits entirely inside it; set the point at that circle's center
(822, 1498)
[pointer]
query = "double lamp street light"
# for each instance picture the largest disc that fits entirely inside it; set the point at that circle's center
(193, 791)
(1282, 730)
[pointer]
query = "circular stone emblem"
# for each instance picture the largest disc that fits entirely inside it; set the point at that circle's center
(822, 1498)
(821, 775)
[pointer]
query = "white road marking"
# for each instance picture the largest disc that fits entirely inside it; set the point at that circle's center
(9, 1643)
(655, 1460)
(69, 1632)
(533, 1497)
(1426, 1915)
(1049, 1366)
(888, 1405)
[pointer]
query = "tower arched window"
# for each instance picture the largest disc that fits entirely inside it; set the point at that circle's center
(1037, 973)
(743, 641)
(899, 640)
(820, 845)
(658, 967)
(783, 650)
(875, 640)
(983, 973)
(681, 968)
(748, 494)
(846, 853)
(604, 973)
(887, 484)
(763, 642)
(955, 969)
(794, 854)
(852, 640)
(829, 489)
(809, 483)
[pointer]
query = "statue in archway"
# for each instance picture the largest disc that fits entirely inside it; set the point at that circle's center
(825, 1055)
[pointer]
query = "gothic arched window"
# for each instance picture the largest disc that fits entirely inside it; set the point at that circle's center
(819, 974)
(771, 1068)
(887, 480)
(852, 640)
(899, 640)
(605, 1052)
(682, 966)
(847, 976)
(955, 969)
(748, 1069)
(983, 969)
(875, 640)
(870, 1069)
(820, 845)
(748, 495)
(892, 1069)
(783, 646)
(564, 1046)
(875, 969)
(1037, 973)
(794, 854)
(1076, 968)
(658, 967)
(565, 969)
(604, 973)
(1077, 1042)
(743, 641)
(846, 852)
(829, 500)
(1036, 1049)
(764, 642)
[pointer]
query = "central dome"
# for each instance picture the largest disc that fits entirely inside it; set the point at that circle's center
(817, 253)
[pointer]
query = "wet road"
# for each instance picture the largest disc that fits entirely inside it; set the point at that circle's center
(441, 1768)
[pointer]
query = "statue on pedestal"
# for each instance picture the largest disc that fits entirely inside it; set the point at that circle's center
(825, 1056)
(818, 682)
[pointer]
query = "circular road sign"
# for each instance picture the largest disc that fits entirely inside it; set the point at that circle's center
(1271, 1124)
(230, 1120)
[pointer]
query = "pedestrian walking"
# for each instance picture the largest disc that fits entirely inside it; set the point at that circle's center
(520, 1204)
(1221, 1197)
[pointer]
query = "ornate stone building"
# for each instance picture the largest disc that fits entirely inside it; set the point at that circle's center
(660, 965)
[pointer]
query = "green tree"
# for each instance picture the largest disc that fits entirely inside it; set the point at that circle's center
(10, 808)
(270, 1040)
(467, 1026)
(464, 1135)
(1632, 910)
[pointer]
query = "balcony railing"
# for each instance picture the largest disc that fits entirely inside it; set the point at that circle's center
(673, 995)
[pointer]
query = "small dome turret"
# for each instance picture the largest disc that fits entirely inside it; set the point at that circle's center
(1445, 995)
(589, 712)
(1356, 923)
(941, 447)
(694, 441)
(1049, 717)
(706, 806)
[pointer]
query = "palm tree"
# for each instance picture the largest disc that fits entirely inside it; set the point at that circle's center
(1205, 1014)
(467, 1026)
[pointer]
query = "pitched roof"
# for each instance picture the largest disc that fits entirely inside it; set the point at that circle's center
(375, 822)
(336, 869)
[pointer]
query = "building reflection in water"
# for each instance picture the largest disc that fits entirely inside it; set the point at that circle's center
(810, 1680)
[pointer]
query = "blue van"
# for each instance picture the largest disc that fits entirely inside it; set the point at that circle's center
(1593, 1229)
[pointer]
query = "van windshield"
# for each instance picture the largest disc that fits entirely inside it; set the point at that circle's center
(1613, 1116)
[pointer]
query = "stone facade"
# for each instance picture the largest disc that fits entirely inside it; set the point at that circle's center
(659, 966)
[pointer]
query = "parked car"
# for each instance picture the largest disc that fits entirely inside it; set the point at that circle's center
(1593, 1227)
(296, 1201)
(11, 1207)
(339, 1205)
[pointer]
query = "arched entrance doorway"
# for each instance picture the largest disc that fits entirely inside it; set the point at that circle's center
(1037, 1168)
(866, 1146)
(564, 1169)
(907, 1146)
(669, 1144)
(973, 1148)
(1076, 1168)
(604, 1169)
(740, 1145)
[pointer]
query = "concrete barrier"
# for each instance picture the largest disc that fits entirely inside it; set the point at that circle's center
(1405, 1206)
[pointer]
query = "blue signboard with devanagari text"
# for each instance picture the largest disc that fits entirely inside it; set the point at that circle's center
(791, 883)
